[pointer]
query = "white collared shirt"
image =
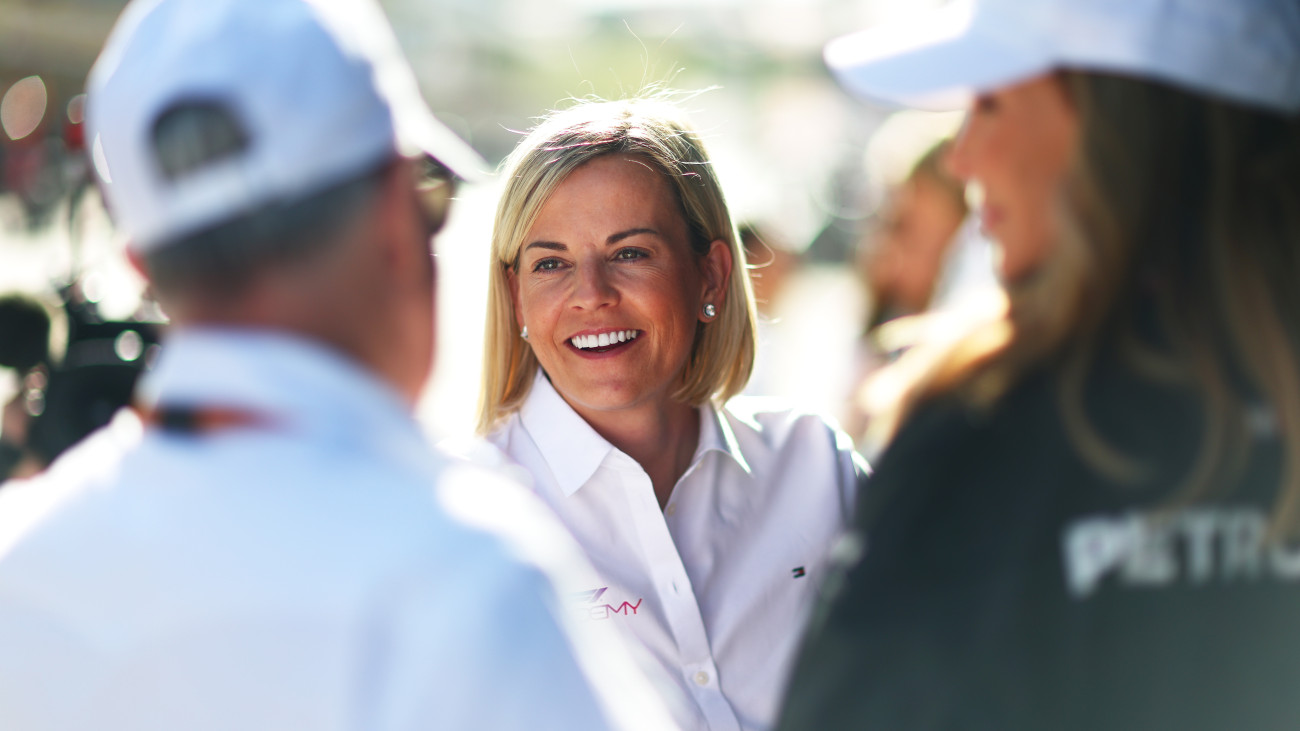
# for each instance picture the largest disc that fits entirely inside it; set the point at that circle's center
(322, 569)
(718, 585)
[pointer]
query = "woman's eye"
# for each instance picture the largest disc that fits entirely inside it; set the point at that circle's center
(628, 254)
(546, 265)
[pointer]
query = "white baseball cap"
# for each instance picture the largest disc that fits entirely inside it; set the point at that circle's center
(1247, 51)
(320, 88)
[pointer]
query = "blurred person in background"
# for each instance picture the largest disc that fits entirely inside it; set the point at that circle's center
(272, 544)
(903, 257)
(900, 262)
(29, 331)
(771, 267)
(620, 323)
(70, 371)
(1089, 516)
(771, 263)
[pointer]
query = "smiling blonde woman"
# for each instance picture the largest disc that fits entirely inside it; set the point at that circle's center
(620, 323)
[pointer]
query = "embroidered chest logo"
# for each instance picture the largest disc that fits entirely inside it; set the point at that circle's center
(798, 572)
(595, 605)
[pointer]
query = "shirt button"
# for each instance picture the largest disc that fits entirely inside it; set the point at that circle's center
(701, 678)
(671, 510)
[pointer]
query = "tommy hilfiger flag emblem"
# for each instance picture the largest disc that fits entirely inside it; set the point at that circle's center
(797, 571)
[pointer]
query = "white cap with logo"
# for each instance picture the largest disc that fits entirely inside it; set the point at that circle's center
(1246, 51)
(320, 87)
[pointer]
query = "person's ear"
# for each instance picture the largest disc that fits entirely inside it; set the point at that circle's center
(397, 217)
(715, 271)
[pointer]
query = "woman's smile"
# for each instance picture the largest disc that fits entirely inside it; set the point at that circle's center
(600, 342)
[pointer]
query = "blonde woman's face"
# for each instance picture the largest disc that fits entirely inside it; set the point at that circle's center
(1017, 144)
(609, 289)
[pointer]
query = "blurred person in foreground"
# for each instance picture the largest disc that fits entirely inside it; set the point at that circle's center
(619, 325)
(272, 544)
(1088, 517)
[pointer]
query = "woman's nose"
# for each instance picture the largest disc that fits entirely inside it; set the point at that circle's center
(593, 288)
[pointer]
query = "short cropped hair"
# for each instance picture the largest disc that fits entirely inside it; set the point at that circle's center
(653, 130)
(220, 259)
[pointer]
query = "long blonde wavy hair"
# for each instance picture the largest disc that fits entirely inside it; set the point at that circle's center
(651, 128)
(1201, 197)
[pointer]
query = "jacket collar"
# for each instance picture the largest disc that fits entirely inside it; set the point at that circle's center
(290, 380)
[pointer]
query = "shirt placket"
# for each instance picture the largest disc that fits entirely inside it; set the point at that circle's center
(677, 597)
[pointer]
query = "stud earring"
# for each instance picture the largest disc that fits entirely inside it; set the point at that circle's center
(524, 333)
(710, 310)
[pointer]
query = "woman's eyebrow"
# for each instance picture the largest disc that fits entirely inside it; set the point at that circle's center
(615, 238)
(552, 245)
(611, 240)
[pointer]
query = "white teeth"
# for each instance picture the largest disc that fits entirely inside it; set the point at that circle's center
(603, 339)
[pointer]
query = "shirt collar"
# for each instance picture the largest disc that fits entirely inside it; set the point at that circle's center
(716, 435)
(571, 448)
(574, 451)
(286, 378)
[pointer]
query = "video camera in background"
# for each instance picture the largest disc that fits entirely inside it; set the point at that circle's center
(68, 386)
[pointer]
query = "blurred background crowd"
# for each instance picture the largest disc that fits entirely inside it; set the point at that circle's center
(851, 219)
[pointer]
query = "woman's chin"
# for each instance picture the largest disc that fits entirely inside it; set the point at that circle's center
(609, 396)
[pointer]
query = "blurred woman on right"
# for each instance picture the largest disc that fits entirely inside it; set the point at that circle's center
(1088, 516)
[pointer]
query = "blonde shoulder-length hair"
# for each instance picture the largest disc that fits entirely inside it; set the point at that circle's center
(651, 128)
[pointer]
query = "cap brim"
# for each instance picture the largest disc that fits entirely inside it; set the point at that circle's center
(934, 61)
(420, 132)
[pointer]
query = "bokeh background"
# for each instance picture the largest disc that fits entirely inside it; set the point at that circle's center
(788, 144)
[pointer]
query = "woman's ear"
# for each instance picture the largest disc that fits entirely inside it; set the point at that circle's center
(715, 271)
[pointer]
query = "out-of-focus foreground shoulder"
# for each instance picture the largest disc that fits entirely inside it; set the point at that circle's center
(580, 677)
(93, 462)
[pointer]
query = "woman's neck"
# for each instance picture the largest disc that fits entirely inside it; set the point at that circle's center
(662, 438)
